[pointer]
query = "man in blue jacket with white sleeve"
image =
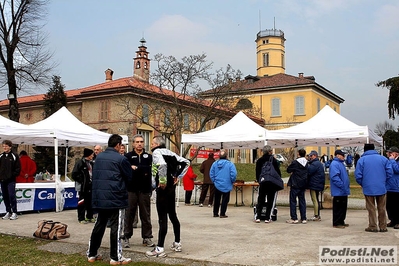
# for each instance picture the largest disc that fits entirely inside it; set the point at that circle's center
(372, 172)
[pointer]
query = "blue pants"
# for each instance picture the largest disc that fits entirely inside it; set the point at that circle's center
(10, 200)
(300, 193)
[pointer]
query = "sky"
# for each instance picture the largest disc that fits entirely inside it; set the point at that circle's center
(347, 45)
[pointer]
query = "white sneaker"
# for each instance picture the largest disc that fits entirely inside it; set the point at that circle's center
(7, 216)
(156, 252)
(176, 246)
(257, 221)
(304, 221)
(122, 261)
(209, 205)
(201, 205)
(14, 216)
(268, 221)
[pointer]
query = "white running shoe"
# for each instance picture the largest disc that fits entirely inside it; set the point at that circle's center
(176, 246)
(156, 252)
(7, 216)
(122, 261)
(14, 216)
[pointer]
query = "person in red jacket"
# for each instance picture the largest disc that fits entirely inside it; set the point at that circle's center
(28, 169)
(188, 184)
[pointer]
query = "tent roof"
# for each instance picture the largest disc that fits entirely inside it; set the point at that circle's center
(12, 130)
(240, 132)
(326, 128)
(68, 130)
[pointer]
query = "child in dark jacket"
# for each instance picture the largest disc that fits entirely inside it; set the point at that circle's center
(298, 183)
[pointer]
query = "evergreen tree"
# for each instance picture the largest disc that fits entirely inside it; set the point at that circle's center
(392, 84)
(54, 100)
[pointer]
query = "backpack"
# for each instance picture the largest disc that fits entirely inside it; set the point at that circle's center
(270, 176)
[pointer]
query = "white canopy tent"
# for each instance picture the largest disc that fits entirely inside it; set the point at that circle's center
(11, 130)
(326, 128)
(240, 132)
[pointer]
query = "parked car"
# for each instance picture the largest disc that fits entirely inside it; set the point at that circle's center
(281, 157)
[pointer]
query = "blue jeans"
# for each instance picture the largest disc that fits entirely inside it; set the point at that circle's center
(9, 197)
(300, 193)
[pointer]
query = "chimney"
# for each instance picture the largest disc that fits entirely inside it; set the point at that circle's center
(108, 75)
(300, 75)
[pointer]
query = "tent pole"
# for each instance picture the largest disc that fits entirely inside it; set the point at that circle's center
(179, 183)
(66, 160)
(57, 191)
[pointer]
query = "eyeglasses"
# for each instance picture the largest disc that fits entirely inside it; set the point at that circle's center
(139, 141)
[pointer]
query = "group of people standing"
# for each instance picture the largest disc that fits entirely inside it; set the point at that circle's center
(120, 185)
(14, 169)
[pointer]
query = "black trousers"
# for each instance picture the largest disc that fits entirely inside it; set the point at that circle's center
(340, 206)
(392, 207)
(225, 197)
(141, 201)
(166, 206)
(116, 219)
(265, 191)
(187, 198)
(85, 210)
(204, 190)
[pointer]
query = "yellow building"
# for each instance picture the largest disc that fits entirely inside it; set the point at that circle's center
(282, 100)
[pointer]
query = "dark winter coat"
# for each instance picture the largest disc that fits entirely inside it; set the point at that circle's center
(81, 175)
(316, 175)
(299, 173)
(141, 180)
(111, 174)
(10, 167)
(205, 168)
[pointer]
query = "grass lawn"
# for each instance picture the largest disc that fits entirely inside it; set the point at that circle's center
(24, 251)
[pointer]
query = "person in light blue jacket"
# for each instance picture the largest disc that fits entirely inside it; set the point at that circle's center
(223, 174)
(372, 173)
(392, 186)
(339, 184)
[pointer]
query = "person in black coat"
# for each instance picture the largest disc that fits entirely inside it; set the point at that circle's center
(265, 189)
(317, 180)
(298, 183)
(82, 175)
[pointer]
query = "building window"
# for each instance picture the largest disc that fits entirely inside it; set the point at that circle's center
(282, 61)
(266, 59)
(145, 65)
(318, 104)
(167, 140)
(146, 113)
(147, 141)
(299, 105)
(186, 122)
(167, 118)
(138, 64)
(276, 107)
(201, 123)
(243, 104)
(335, 108)
(104, 111)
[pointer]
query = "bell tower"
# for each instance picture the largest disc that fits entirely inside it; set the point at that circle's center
(270, 52)
(141, 67)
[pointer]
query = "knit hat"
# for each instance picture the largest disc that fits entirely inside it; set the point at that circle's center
(368, 146)
(87, 152)
(340, 152)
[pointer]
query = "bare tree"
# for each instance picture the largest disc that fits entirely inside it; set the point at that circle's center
(23, 55)
(173, 104)
(383, 127)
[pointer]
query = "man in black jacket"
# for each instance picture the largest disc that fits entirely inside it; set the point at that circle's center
(111, 174)
(10, 167)
(82, 175)
(139, 191)
(265, 189)
(298, 183)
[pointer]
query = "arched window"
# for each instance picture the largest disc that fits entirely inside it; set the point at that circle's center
(138, 64)
(243, 104)
(266, 59)
(146, 113)
(186, 122)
